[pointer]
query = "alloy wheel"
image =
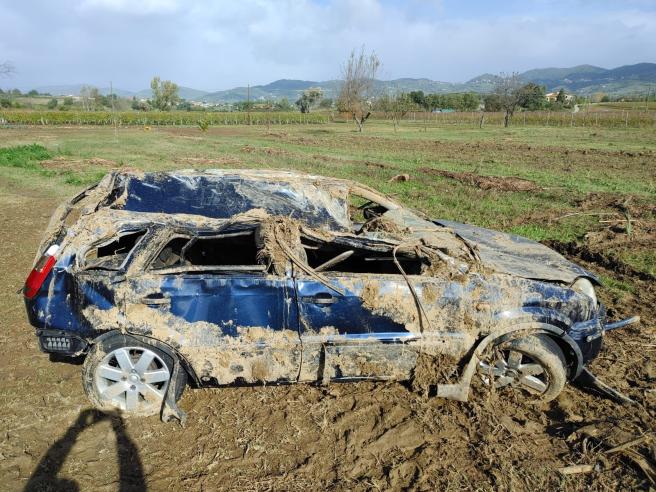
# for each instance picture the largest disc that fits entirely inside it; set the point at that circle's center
(133, 379)
(513, 368)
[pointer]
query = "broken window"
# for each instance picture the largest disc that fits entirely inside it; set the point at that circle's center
(232, 251)
(362, 209)
(111, 255)
(347, 258)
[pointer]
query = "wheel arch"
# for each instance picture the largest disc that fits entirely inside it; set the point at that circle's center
(164, 347)
(571, 350)
(542, 320)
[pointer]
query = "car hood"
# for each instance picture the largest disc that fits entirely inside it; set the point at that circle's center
(516, 255)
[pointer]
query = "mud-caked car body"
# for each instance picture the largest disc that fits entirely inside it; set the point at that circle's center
(243, 277)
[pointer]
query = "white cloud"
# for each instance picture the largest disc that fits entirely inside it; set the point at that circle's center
(220, 44)
(140, 7)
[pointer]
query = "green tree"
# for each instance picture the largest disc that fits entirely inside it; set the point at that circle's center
(68, 101)
(244, 106)
(532, 96)
(33, 93)
(491, 103)
(560, 98)
(326, 103)
(282, 105)
(184, 106)
(433, 102)
(469, 102)
(308, 98)
(52, 104)
(165, 94)
(139, 105)
(418, 98)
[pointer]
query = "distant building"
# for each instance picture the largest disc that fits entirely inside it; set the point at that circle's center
(552, 96)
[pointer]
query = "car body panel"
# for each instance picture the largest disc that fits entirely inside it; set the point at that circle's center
(289, 323)
(516, 255)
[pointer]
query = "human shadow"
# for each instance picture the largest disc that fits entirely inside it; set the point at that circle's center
(131, 476)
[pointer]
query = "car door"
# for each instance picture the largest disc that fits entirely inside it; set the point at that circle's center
(212, 299)
(344, 336)
(99, 274)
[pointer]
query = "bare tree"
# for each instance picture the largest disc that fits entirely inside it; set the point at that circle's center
(509, 94)
(89, 97)
(358, 77)
(6, 69)
(395, 106)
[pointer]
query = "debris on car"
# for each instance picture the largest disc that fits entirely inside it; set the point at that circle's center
(244, 277)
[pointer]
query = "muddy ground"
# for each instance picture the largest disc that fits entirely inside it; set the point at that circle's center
(349, 436)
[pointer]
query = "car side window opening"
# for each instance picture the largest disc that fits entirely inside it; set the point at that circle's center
(224, 252)
(345, 258)
(111, 255)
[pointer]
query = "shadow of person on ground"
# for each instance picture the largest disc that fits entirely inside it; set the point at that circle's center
(131, 476)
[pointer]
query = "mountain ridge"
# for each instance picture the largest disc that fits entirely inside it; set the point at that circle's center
(580, 79)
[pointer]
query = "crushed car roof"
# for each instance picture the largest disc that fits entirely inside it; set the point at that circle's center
(316, 200)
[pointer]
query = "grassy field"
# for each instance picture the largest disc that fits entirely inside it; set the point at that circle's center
(578, 171)
(589, 193)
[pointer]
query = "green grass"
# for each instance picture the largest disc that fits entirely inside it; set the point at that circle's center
(644, 261)
(25, 156)
(616, 287)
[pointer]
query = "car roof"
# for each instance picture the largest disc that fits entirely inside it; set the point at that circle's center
(316, 200)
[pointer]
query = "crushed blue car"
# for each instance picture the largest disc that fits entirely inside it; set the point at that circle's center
(229, 277)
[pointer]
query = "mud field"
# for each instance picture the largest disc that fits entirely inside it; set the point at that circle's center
(361, 436)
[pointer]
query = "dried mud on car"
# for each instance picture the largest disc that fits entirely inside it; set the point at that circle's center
(357, 436)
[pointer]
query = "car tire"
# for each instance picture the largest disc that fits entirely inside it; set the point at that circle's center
(121, 372)
(533, 365)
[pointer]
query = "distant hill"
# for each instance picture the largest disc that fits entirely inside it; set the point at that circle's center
(561, 73)
(74, 90)
(581, 79)
(586, 79)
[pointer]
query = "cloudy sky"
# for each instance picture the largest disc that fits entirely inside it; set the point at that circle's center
(217, 44)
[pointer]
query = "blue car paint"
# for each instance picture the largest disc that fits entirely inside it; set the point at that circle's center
(228, 301)
(345, 313)
(222, 198)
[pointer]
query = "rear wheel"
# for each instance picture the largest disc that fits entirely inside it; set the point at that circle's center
(124, 373)
(534, 366)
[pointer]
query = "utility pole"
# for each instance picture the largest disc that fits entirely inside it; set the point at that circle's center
(248, 102)
(111, 96)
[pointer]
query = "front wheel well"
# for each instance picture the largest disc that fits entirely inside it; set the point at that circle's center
(569, 348)
(574, 367)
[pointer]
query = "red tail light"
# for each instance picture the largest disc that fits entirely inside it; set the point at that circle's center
(40, 271)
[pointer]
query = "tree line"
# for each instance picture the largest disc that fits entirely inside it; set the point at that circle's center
(358, 96)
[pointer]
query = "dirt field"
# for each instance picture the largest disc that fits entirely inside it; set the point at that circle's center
(349, 436)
